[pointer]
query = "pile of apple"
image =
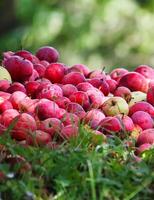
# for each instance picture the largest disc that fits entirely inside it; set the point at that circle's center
(43, 100)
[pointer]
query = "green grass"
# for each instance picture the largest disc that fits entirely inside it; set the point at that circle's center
(81, 169)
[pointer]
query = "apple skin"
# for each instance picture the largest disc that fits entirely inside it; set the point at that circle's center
(68, 89)
(147, 136)
(16, 98)
(123, 92)
(47, 53)
(134, 81)
(114, 106)
(69, 131)
(150, 95)
(76, 109)
(126, 122)
(146, 71)
(73, 78)
(47, 109)
(4, 95)
(81, 98)
(70, 119)
(112, 85)
(38, 138)
(143, 148)
(93, 118)
(4, 85)
(110, 125)
(101, 84)
(62, 102)
(142, 106)
(8, 116)
(4, 73)
(143, 119)
(117, 73)
(51, 125)
(34, 76)
(80, 68)
(16, 86)
(27, 55)
(137, 96)
(31, 88)
(55, 72)
(40, 69)
(5, 105)
(100, 74)
(96, 98)
(20, 69)
(24, 125)
(84, 86)
(51, 92)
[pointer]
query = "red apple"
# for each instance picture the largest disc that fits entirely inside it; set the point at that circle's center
(147, 136)
(73, 78)
(68, 89)
(134, 81)
(55, 72)
(117, 73)
(143, 119)
(47, 53)
(142, 106)
(146, 71)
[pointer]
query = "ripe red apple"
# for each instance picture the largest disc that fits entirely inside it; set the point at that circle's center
(143, 148)
(5, 105)
(69, 131)
(4, 85)
(76, 109)
(55, 72)
(93, 118)
(70, 119)
(126, 122)
(31, 88)
(73, 78)
(16, 86)
(143, 119)
(123, 92)
(38, 138)
(20, 69)
(8, 116)
(16, 98)
(150, 95)
(24, 125)
(146, 71)
(117, 73)
(85, 86)
(51, 125)
(40, 69)
(28, 105)
(142, 106)
(97, 74)
(34, 76)
(5, 95)
(47, 109)
(96, 97)
(147, 136)
(27, 55)
(112, 85)
(47, 53)
(68, 89)
(80, 68)
(101, 84)
(81, 98)
(134, 81)
(62, 102)
(51, 92)
(110, 125)
(114, 106)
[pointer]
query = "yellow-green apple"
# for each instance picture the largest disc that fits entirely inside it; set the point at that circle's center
(114, 106)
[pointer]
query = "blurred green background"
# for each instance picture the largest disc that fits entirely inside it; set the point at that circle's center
(97, 33)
